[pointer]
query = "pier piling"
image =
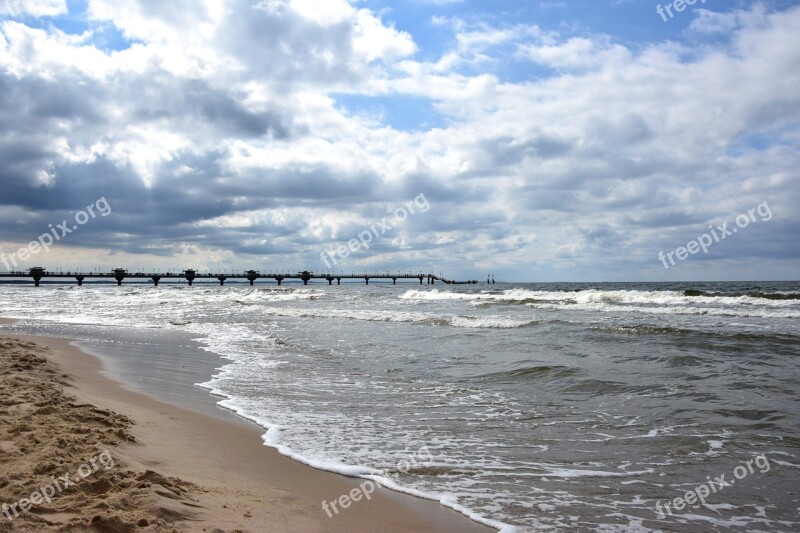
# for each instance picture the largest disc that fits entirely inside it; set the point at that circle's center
(119, 275)
(37, 273)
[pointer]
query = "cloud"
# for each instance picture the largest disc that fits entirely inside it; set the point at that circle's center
(214, 132)
(577, 53)
(440, 2)
(36, 8)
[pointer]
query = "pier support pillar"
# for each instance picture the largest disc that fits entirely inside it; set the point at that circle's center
(338, 281)
(36, 274)
(366, 278)
(119, 275)
(305, 276)
(155, 279)
(394, 281)
(222, 280)
(252, 276)
(80, 280)
(280, 280)
(420, 280)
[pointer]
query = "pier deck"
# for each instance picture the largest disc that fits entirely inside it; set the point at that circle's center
(190, 275)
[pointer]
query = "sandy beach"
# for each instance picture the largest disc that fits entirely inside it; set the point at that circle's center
(80, 452)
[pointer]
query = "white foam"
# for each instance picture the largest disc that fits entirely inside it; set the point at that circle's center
(279, 295)
(489, 322)
(376, 315)
(573, 473)
(652, 302)
(272, 439)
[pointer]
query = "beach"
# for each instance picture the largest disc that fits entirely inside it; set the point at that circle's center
(158, 467)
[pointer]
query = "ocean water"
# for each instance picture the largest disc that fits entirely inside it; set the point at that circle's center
(532, 407)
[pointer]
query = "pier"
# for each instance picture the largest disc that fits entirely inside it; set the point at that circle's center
(37, 274)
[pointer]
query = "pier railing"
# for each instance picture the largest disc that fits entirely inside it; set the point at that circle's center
(190, 275)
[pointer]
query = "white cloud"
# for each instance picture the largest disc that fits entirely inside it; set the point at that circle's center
(324, 12)
(36, 8)
(374, 40)
(576, 53)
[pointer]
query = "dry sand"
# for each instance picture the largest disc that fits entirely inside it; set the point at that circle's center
(173, 470)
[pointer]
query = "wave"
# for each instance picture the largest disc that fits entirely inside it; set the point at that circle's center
(648, 329)
(534, 372)
(255, 296)
(604, 296)
(763, 305)
(757, 294)
(722, 311)
(518, 296)
(437, 319)
(751, 414)
(490, 322)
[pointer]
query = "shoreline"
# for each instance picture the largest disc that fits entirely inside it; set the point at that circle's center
(242, 484)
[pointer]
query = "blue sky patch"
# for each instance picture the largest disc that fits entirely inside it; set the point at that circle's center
(401, 112)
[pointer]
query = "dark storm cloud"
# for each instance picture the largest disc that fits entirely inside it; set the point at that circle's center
(20, 158)
(195, 104)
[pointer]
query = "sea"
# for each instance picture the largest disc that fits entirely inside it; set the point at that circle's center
(528, 407)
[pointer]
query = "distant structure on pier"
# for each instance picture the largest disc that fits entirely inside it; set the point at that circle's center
(190, 275)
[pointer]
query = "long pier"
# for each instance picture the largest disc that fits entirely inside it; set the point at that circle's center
(190, 275)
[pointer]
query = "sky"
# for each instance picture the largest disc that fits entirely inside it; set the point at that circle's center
(588, 140)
